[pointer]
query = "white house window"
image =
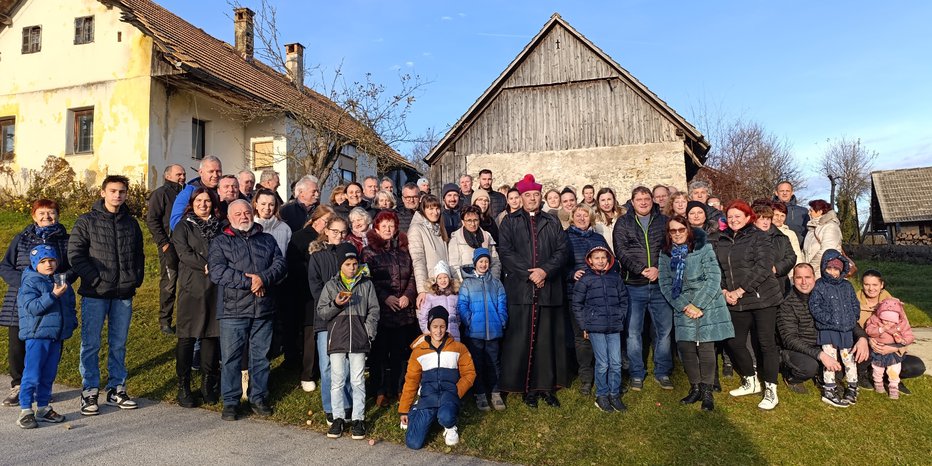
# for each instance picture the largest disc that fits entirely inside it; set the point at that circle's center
(7, 130)
(83, 141)
(347, 175)
(84, 30)
(32, 39)
(263, 155)
(198, 138)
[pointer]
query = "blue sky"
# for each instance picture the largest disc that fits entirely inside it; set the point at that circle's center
(807, 71)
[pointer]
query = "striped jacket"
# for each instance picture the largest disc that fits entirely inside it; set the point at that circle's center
(438, 375)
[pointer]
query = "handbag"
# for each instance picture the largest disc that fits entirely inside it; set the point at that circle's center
(852, 267)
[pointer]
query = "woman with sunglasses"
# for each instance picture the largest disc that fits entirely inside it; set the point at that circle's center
(690, 280)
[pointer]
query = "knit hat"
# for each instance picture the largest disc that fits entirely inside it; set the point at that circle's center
(528, 184)
(441, 268)
(346, 251)
(480, 253)
(449, 187)
(693, 204)
(567, 190)
(835, 263)
(891, 316)
(422, 182)
(437, 312)
(41, 252)
(890, 306)
(480, 193)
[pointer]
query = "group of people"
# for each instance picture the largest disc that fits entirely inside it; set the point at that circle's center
(487, 290)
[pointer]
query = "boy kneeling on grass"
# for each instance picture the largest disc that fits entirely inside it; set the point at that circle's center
(441, 371)
(47, 317)
(350, 307)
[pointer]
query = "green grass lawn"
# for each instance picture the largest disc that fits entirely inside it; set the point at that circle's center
(655, 430)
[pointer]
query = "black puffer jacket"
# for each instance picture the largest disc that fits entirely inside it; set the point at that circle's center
(321, 267)
(746, 257)
(515, 250)
(158, 216)
(105, 250)
(233, 254)
(636, 250)
(795, 325)
(16, 261)
(393, 275)
(404, 217)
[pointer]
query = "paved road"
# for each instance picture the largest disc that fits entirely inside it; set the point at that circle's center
(159, 433)
(923, 346)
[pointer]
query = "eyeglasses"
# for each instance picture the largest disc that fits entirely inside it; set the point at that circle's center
(677, 231)
(337, 232)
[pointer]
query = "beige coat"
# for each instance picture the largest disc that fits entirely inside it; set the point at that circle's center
(461, 253)
(824, 234)
(426, 248)
(794, 242)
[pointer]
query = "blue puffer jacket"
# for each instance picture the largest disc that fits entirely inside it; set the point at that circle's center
(16, 261)
(833, 301)
(233, 254)
(482, 306)
(579, 243)
(600, 299)
(702, 288)
(42, 315)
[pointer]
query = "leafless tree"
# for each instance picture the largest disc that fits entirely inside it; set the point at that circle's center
(422, 146)
(360, 114)
(746, 161)
(848, 164)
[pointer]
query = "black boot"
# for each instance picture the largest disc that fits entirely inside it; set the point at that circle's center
(693, 396)
(705, 392)
(185, 399)
(210, 389)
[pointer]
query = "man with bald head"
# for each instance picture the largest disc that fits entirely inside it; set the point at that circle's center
(209, 172)
(158, 219)
(247, 184)
(244, 262)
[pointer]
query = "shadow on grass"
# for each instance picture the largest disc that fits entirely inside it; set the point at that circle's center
(159, 390)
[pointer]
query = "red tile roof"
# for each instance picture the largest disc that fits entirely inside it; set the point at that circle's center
(211, 59)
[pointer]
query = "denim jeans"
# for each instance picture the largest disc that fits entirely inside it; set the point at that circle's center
(357, 367)
(420, 420)
(117, 313)
(643, 299)
(324, 362)
(485, 357)
(234, 333)
(606, 347)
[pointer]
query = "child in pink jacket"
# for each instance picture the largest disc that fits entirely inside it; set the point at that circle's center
(443, 293)
(888, 325)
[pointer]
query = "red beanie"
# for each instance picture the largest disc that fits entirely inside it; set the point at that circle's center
(528, 184)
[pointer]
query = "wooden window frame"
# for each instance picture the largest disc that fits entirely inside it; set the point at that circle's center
(256, 166)
(198, 130)
(76, 136)
(4, 123)
(32, 40)
(84, 30)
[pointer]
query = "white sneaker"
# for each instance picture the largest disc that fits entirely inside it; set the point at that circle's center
(308, 386)
(770, 397)
(451, 436)
(245, 396)
(749, 386)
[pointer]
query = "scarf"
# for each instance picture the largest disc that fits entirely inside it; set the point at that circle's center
(208, 228)
(45, 232)
(474, 240)
(350, 282)
(678, 266)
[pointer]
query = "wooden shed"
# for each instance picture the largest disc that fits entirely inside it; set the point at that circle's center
(568, 113)
(901, 205)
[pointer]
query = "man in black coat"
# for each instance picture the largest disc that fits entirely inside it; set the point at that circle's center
(296, 212)
(244, 262)
(497, 201)
(533, 252)
(410, 196)
(638, 237)
(105, 250)
(157, 221)
(797, 216)
(802, 356)
(450, 214)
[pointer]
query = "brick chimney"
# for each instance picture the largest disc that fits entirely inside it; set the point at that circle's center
(243, 30)
(294, 63)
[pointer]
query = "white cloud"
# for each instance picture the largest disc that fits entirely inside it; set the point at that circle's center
(461, 15)
(395, 67)
(409, 64)
(446, 18)
(379, 40)
(426, 54)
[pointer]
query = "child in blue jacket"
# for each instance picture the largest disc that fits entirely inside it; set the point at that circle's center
(481, 305)
(47, 317)
(600, 301)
